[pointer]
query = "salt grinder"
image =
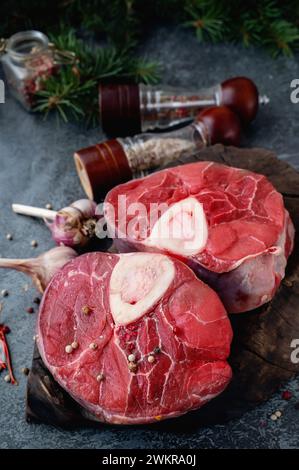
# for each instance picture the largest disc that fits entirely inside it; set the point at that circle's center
(130, 109)
(104, 165)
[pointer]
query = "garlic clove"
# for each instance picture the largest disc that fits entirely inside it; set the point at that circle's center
(42, 268)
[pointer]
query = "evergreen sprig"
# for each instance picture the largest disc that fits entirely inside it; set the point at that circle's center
(208, 20)
(73, 90)
(269, 23)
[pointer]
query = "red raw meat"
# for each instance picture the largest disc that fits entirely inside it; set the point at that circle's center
(242, 234)
(146, 305)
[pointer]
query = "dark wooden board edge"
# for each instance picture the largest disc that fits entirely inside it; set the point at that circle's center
(261, 347)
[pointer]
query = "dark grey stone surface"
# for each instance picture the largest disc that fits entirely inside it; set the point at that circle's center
(37, 167)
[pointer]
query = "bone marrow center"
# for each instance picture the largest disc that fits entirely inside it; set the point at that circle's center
(182, 229)
(137, 282)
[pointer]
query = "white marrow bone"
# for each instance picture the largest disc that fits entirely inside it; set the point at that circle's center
(137, 282)
(182, 229)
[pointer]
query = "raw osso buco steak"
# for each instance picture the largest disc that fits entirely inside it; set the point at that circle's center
(134, 338)
(240, 234)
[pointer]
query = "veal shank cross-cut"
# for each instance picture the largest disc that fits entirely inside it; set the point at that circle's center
(134, 338)
(241, 234)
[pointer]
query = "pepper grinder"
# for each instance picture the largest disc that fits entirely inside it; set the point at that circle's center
(104, 165)
(129, 109)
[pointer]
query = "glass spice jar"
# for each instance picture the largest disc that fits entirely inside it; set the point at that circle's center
(28, 59)
(102, 166)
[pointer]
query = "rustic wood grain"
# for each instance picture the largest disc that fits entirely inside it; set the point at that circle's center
(260, 355)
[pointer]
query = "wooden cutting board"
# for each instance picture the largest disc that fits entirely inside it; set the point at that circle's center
(260, 354)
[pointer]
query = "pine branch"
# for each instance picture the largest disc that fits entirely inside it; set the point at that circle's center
(73, 90)
(267, 23)
(207, 19)
(144, 71)
(65, 93)
(270, 23)
(282, 37)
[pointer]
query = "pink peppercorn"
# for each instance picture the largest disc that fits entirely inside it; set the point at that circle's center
(286, 395)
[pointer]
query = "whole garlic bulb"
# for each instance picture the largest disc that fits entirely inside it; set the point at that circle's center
(74, 225)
